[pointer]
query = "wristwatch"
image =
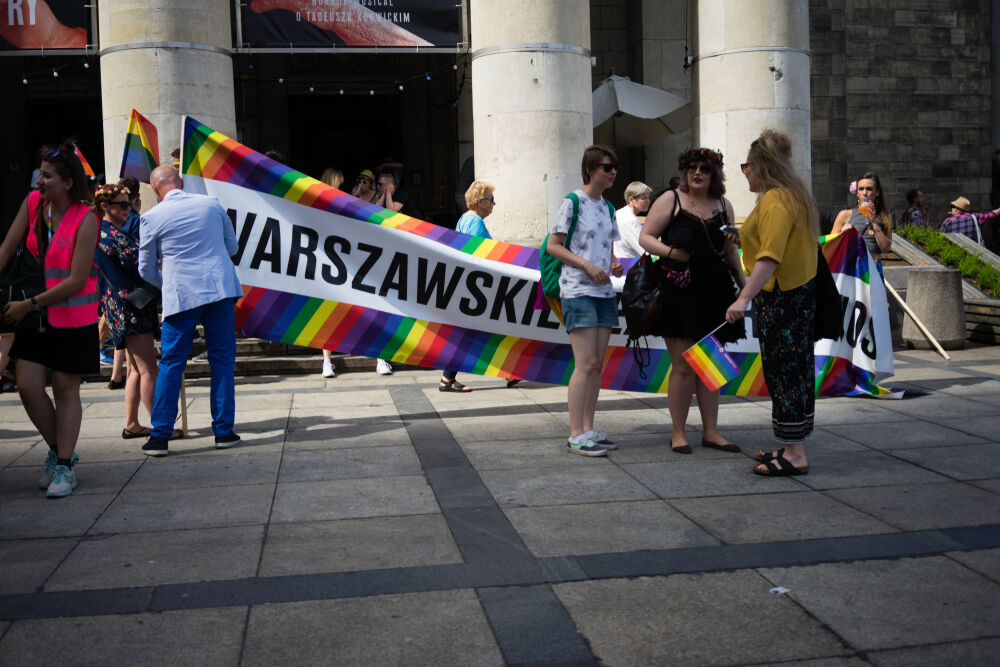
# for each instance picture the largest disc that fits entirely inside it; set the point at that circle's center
(34, 305)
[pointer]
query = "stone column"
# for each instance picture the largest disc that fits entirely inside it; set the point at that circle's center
(751, 72)
(532, 112)
(165, 59)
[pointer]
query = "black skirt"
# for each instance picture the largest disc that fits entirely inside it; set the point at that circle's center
(74, 350)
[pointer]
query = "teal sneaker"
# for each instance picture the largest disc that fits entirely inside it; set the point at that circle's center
(63, 482)
(49, 468)
(584, 445)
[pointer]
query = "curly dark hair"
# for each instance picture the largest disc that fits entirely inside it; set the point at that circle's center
(706, 156)
(693, 155)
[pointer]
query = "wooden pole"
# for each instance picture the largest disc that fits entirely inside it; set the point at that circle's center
(184, 409)
(916, 320)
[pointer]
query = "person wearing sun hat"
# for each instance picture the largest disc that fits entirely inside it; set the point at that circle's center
(364, 190)
(965, 222)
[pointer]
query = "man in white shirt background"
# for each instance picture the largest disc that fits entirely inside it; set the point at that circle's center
(629, 223)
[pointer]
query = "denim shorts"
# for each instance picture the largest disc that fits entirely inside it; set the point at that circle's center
(590, 311)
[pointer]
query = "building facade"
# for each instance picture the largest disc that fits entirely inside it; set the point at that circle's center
(901, 87)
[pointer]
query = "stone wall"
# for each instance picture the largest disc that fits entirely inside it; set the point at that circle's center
(901, 87)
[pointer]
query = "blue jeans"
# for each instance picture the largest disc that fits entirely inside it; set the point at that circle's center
(219, 322)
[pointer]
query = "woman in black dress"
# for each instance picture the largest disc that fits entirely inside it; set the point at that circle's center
(690, 230)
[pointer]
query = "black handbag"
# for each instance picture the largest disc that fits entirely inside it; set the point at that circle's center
(829, 318)
(23, 278)
(641, 297)
(143, 297)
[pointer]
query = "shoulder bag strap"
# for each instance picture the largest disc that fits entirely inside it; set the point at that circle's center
(576, 216)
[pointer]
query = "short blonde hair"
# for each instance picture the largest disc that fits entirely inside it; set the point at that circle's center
(636, 189)
(478, 190)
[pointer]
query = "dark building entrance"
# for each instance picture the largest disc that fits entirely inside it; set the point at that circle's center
(294, 104)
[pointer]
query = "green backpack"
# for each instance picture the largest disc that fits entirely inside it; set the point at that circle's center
(550, 267)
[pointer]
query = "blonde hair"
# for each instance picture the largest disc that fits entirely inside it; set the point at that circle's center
(636, 189)
(478, 190)
(770, 163)
(333, 177)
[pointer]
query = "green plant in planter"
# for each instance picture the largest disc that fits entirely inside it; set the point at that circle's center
(938, 246)
(951, 255)
(970, 267)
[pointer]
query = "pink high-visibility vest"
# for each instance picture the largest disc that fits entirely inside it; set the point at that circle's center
(79, 309)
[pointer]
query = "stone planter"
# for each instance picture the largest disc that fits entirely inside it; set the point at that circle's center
(935, 296)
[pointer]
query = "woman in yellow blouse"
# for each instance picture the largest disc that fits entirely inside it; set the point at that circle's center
(779, 251)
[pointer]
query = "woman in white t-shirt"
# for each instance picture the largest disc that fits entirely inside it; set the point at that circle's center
(590, 308)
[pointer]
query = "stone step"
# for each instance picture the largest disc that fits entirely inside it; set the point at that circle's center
(982, 321)
(291, 364)
(255, 347)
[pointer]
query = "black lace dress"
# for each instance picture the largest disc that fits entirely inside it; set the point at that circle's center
(694, 311)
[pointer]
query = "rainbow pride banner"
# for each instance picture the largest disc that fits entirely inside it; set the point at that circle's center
(142, 151)
(324, 269)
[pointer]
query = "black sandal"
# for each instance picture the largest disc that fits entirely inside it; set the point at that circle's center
(786, 469)
(453, 385)
(764, 457)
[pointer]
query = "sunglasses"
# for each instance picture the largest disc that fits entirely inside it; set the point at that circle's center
(53, 153)
(701, 169)
(608, 167)
(123, 205)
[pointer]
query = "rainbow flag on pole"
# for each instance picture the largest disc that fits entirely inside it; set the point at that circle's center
(142, 153)
(87, 169)
(709, 359)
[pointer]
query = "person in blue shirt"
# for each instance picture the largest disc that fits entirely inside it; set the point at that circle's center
(480, 200)
(130, 228)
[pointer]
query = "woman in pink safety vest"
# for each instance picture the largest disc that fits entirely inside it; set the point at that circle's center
(58, 228)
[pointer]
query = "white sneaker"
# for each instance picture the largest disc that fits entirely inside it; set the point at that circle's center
(383, 367)
(328, 371)
(63, 482)
(49, 469)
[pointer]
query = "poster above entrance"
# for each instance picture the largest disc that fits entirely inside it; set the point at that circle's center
(312, 24)
(44, 25)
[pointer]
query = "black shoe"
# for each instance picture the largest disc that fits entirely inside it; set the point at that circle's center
(155, 447)
(120, 384)
(226, 441)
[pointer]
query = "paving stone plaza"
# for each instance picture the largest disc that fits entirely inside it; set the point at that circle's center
(368, 520)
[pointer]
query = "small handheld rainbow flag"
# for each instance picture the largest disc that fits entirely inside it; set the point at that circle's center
(142, 152)
(86, 165)
(711, 362)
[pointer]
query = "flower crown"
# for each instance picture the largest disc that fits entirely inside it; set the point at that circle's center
(112, 190)
(693, 155)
